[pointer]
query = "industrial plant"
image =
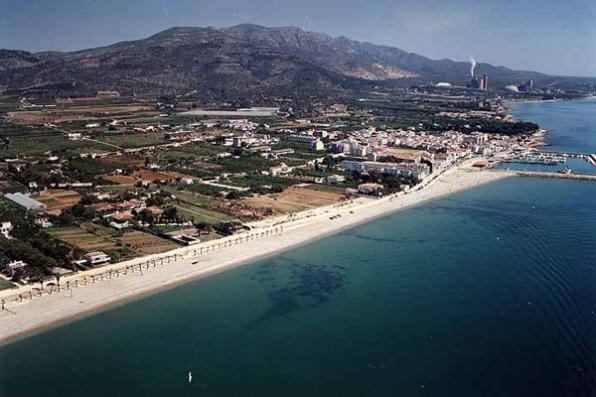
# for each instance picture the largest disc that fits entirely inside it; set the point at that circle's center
(480, 82)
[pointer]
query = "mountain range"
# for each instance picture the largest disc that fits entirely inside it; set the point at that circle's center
(241, 61)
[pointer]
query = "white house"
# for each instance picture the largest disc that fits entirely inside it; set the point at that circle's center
(369, 188)
(186, 181)
(5, 229)
(335, 179)
(317, 145)
(97, 258)
(10, 268)
(73, 136)
(281, 169)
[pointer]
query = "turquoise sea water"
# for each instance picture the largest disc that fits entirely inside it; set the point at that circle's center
(491, 292)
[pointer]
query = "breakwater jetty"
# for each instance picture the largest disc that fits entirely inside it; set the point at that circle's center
(557, 175)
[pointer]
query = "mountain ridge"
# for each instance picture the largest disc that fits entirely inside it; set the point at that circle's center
(245, 60)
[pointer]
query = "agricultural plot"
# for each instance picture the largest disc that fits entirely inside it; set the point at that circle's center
(193, 199)
(168, 156)
(103, 109)
(117, 189)
(79, 237)
(294, 199)
(133, 140)
(253, 163)
(128, 161)
(145, 243)
(203, 166)
(261, 180)
(56, 199)
(92, 237)
(327, 188)
(120, 179)
(202, 149)
(38, 145)
(62, 114)
(198, 214)
(8, 106)
(199, 208)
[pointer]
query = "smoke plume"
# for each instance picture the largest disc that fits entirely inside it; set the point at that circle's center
(472, 66)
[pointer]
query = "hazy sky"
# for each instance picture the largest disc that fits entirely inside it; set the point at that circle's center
(552, 36)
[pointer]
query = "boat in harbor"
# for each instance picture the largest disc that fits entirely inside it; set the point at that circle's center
(565, 171)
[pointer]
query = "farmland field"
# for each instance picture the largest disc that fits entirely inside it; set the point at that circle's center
(133, 140)
(194, 199)
(145, 243)
(260, 180)
(56, 199)
(81, 238)
(92, 237)
(38, 144)
(327, 188)
(198, 214)
(199, 208)
(61, 113)
(202, 149)
(120, 179)
(128, 161)
(294, 199)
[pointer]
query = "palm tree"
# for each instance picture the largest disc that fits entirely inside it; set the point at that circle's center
(58, 276)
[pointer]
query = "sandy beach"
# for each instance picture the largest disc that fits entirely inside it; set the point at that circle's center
(21, 318)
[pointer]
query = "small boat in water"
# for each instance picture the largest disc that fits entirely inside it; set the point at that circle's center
(190, 377)
(565, 171)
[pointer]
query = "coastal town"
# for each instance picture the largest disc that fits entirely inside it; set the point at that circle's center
(108, 180)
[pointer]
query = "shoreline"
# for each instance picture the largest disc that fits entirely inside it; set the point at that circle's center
(61, 308)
